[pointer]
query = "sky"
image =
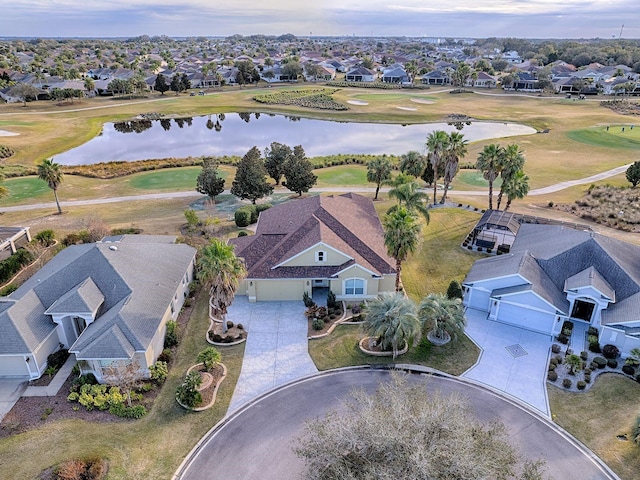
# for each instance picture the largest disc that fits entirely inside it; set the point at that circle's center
(414, 18)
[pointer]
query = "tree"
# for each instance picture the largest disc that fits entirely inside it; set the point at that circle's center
(89, 84)
(208, 181)
(489, 163)
(250, 181)
(123, 374)
(51, 172)
(460, 76)
(292, 70)
(119, 86)
(312, 70)
(406, 431)
(210, 357)
(391, 319)
(437, 143)
(179, 83)
(220, 271)
(247, 72)
(456, 149)
(24, 92)
(410, 196)
(633, 174)
(574, 362)
(443, 317)
(274, 159)
(413, 163)
(401, 237)
(187, 392)
(512, 162)
(299, 172)
(454, 290)
(161, 84)
(517, 186)
(379, 172)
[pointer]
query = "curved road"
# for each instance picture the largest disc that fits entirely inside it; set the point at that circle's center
(256, 441)
(188, 194)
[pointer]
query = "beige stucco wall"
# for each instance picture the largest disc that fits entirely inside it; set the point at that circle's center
(387, 283)
(332, 257)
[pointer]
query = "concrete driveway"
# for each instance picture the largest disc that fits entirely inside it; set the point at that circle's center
(276, 350)
(11, 390)
(513, 360)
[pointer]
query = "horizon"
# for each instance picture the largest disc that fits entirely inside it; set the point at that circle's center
(531, 19)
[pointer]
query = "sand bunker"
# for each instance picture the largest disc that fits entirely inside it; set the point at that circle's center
(357, 102)
(410, 109)
(420, 100)
(4, 133)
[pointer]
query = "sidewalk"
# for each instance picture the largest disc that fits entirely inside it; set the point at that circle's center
(56, 384)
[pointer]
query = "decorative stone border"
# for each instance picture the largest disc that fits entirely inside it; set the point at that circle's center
(366, 351)
(201, 388)
(343, 320)
(212, 322)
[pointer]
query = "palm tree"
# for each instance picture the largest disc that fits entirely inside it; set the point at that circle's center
(401, 236)
(220, 271)
(489, 163)
(409, 195)
(391, 318)
(51, 172)
(456, 149)
(379, 172)
(413, 163)
(512, 163)
(436, 151)
(442, 316)
(516, 187)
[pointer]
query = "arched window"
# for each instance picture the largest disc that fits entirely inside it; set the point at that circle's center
(354, 286)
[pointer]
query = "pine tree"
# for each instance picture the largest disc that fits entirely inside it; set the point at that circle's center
(250, 181)
(208, 181)
(299, 172)
(161, 84)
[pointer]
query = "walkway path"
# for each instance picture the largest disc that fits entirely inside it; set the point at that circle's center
(276, 351)
(189, 194)
(56, 383)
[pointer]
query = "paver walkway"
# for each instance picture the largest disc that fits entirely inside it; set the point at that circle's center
(276, 350)
(513, 360)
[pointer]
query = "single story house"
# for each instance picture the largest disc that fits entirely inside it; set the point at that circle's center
(330, 242)
(106, 302)
(360, 74)
(436, 77)
(483, 80)
(554, 273)
(396, 75)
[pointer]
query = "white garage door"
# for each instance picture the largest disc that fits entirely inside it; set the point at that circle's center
(479, 299)
(13, 366)
(523, 317)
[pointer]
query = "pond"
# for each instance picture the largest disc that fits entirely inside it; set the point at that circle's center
(235, 134)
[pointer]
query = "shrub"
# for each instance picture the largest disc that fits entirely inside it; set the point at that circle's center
(318, 324)
(187, 392)
(171, 335)
(587, 370)
(192, 217)
(594, 347)
(562, 338)
(581, 384)
(261, 207)
(45, 237)
(587, 377)
(308, 301)
(243, 233)
(454, 290)
(552, 366)
(239, 326)
(584, 355)
(593, 331)
(159, 371)
(628, 370)
(550, 204)
(242, 217)
(559, 359)
(331, 300)
(566, 383)
(58, 359)
(8, 290)
(553, 361)
(229, 324)
(552, 376)
(210, 356)
(610, 351)
(600, 362)
(13, 264)
(165, 356)
(555, 348)
(612, 363)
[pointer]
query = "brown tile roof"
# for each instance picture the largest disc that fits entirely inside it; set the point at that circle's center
(349, 223)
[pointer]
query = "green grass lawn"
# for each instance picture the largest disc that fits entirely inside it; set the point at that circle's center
(614, 138)
(172, 178)
(473, 178)
(598, 416)
(342, 175)
(26, 188)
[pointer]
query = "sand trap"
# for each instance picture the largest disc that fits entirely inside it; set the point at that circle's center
(357, 102)
(410, 109)
(4, 133)
(420, 100)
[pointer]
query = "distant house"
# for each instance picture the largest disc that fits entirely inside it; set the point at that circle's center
(340, 67)
(511, 56)
(525, 83)
(396, 75)
(436, 77)
(333, 242)
(360, 74)
(484, 80)
(11, 239)
(107, 301)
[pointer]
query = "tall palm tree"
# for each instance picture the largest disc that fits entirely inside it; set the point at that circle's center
(51, 172)
(379, 172)
(436, 151)
(391, 318)
(220, 271)
(456, 149)
(489, 163)
(517, 186)
(409, 195)
(401, 236)
(442, 316)
(512, 163)
(413, 163)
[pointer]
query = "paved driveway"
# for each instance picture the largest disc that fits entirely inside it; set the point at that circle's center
(513, 360)
(276, 350)
(10, 391)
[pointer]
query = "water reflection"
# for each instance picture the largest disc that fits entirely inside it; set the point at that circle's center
(183, 137)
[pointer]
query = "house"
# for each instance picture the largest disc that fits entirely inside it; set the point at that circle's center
(525, 83)
(333, 242)
(107, 301)
(484, 80)
(360, 74)
(554, 273)
(436, 77)
(11, 239)
(395, 75)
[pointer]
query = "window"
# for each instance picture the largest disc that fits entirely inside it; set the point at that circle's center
(354, 286)
(321, 256)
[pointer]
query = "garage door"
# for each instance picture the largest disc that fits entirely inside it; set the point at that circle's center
(523, 317)
(479, 299)
(13, 366)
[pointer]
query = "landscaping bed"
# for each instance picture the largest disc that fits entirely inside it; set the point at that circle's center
(316, 98)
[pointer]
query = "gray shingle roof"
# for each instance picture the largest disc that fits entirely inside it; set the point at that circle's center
(590, 277)
(85, 298)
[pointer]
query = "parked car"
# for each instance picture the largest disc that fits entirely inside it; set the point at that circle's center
(192, 94)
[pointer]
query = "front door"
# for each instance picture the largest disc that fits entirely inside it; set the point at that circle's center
(583, 310)
(80, 324)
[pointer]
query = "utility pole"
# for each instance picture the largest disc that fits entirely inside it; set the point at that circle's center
(620, 36)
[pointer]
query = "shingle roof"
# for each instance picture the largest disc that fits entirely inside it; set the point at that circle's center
(348, 223)
(590, 277)
(86, 297)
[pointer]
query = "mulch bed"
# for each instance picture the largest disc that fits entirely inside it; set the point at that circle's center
(207, 393)
(233, 332)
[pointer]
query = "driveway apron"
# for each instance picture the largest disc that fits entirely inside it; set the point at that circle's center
(276, 351)
(513, 360)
